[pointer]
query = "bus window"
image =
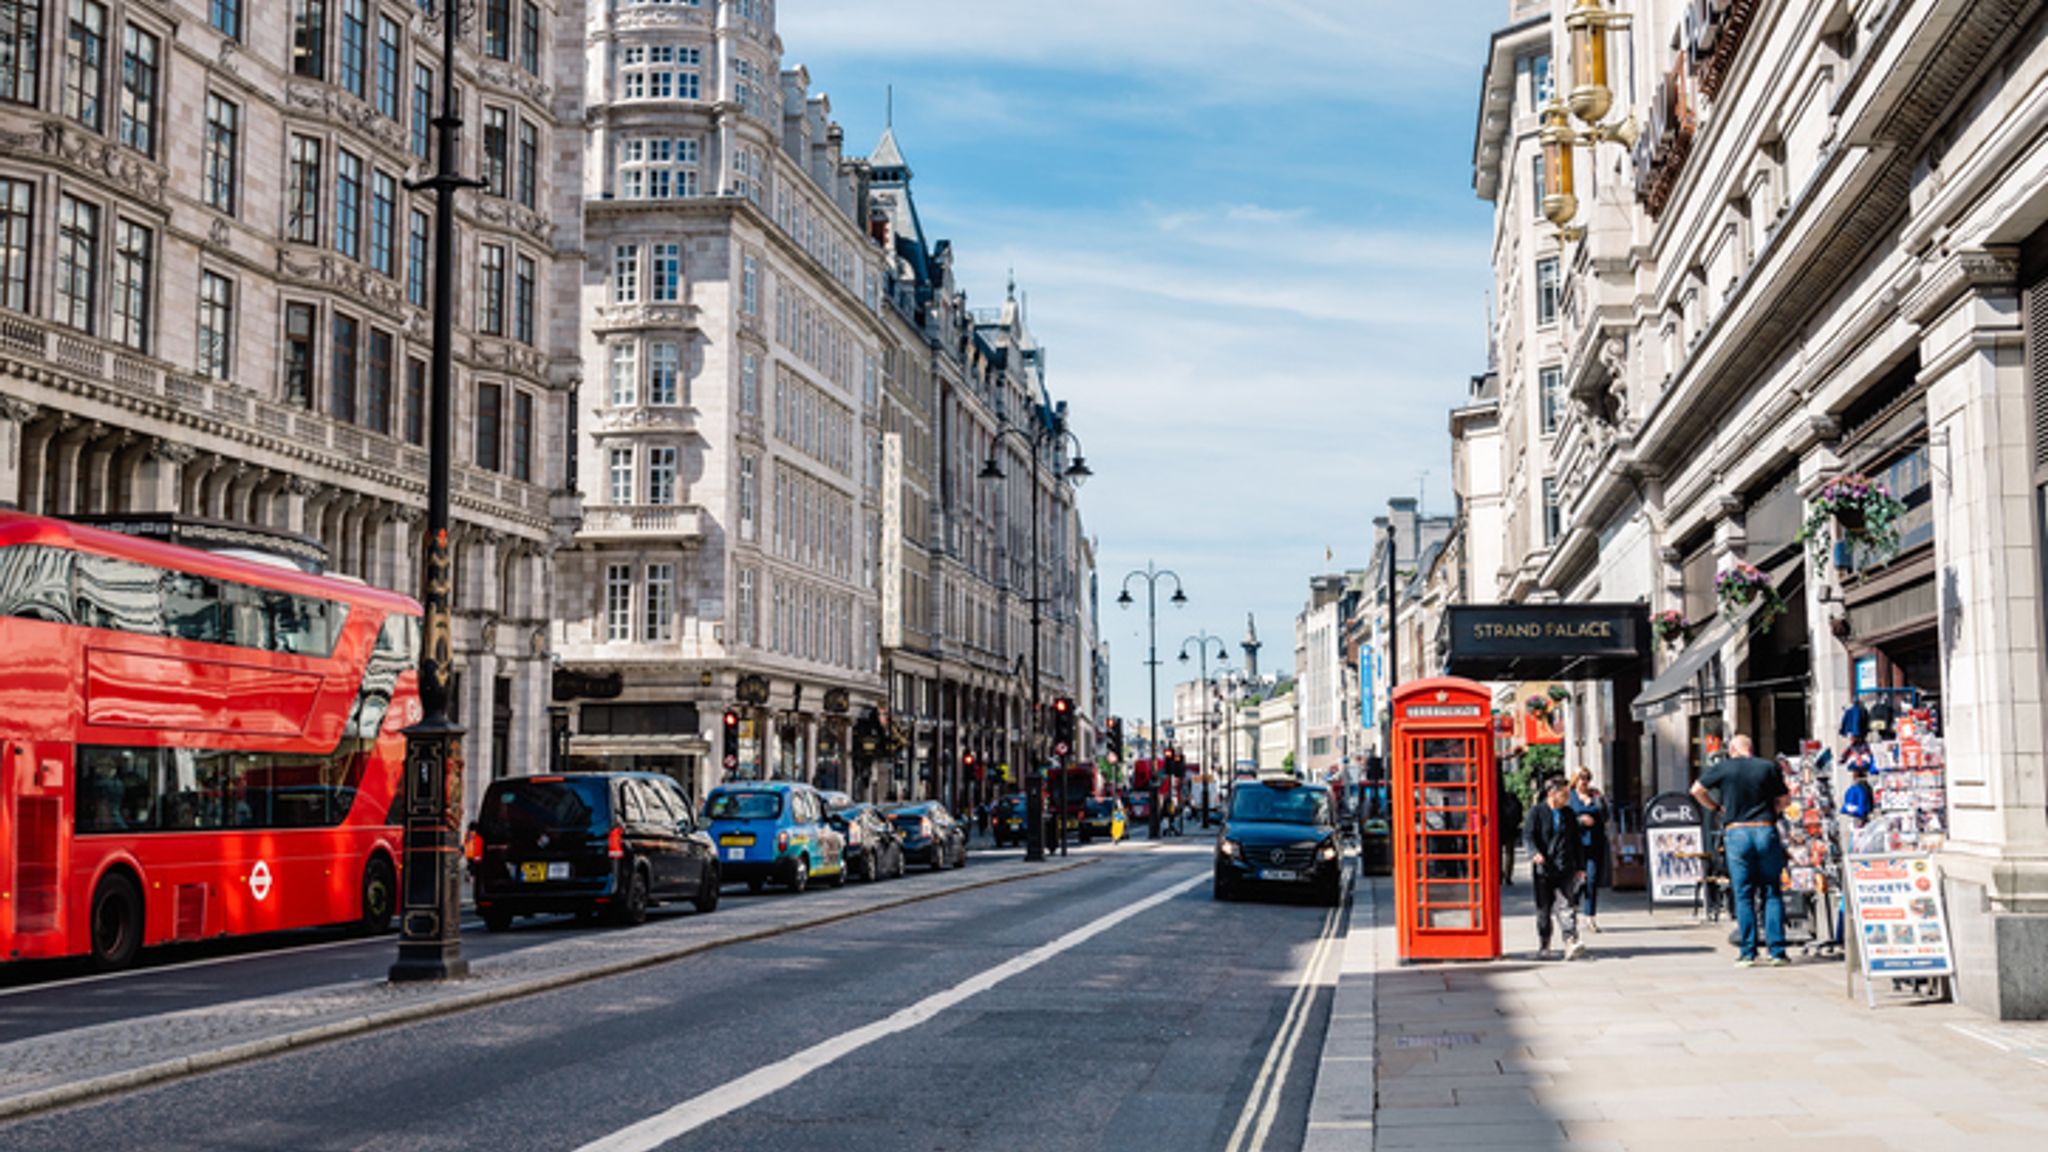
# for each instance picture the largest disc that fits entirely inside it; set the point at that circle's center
(35, 583)
(192, 607)
(117, 789)
(119, 595)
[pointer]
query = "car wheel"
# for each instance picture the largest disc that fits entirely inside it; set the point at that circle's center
(380, 888)
(874, 868)
(116, 922)
(901, 866)
(961, 860)
(799, 874)
(707, 891)
(838, 878)
(495, 921)
(938, 858)
(632, 907)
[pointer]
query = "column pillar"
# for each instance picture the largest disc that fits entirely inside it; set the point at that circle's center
(14, 468)
(1987, 552)
(1731, 542)
(159, 476)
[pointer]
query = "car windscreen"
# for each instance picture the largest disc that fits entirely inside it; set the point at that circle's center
(1280, 805)
(1100, 808)
(908, 820)
(545, 805)
(743, 806)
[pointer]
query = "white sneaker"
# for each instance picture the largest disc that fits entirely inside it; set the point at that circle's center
(1592, 924)
(1574, 950)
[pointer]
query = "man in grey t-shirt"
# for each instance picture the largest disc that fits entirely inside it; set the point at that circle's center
(1752, 794)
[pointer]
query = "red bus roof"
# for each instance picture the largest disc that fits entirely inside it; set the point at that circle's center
(23, 528)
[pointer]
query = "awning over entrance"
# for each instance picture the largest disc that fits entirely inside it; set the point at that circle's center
(1549, 641)
(1663, 695)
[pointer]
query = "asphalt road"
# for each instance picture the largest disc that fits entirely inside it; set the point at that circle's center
(1116, 1006)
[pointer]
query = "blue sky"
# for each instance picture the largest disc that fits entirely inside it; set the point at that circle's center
(1249, 242)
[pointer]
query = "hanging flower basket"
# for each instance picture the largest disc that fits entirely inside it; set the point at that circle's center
(1738, 587)
(1559, 693)
(1670, 626)
(1855, 509)
(1538, 708)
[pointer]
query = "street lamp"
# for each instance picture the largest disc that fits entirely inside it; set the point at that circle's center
(1590, 98)
(1151, 576)
(1201, 641)
(1048, 429)
(430, 927)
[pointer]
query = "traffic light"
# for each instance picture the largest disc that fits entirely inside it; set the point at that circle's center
(1113, 735)
(1062, 727)
(732, 739)
(968, 762)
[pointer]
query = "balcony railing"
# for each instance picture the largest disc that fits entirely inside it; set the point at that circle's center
(643, 522)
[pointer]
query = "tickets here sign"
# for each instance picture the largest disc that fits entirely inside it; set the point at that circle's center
(1900, 924)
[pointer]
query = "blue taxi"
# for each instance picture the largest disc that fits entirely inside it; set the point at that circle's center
(774, 831)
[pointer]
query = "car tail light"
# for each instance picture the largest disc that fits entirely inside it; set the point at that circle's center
(615, 844)
(782, 840)
(473, 846)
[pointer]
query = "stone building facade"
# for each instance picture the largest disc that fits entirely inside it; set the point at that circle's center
(1826, 254)
(778, 439)
(213, 289)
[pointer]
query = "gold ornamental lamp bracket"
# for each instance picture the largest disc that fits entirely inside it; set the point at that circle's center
(1590, 26)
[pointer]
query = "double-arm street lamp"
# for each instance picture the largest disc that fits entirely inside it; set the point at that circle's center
(1046, 432)
(1151, 576)
(1201, 641)
(429, 926)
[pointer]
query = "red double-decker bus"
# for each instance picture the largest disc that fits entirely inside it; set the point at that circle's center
(191, 745)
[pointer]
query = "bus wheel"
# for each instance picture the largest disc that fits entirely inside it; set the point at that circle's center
(380, 890)
(116, 922)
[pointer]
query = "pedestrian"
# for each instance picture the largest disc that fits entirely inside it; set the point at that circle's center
(1510, 829)
(1590, 807)
(1556, 869)
(1751, 793)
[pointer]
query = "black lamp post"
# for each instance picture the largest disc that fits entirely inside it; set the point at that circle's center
(1048, 428)
(1151, 576)
(1201, 641)
(430, 925)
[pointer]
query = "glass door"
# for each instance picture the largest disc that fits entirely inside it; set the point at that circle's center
(1448, 833)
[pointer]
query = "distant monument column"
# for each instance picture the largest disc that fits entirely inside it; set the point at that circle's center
(1251, 647)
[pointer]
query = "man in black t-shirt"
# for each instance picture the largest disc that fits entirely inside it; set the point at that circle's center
(1752, 793)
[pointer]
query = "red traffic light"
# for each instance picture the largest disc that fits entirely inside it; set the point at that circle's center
(1063, 705)
(732, 718)
(968, 759)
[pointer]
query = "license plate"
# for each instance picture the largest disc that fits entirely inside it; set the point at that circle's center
(1279, 874)
(539, 871)
(735, 853)
(742, 839)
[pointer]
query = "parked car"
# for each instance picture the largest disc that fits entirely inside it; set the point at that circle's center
(1280, 834)
(1105, 817)
(931, 836)
(774, 831)
(590, 843)
(874, 848)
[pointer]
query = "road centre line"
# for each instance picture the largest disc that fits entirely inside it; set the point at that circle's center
(1262, 1107)
(734, 1095)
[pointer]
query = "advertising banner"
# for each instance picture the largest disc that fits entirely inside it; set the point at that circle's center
(1901, 927)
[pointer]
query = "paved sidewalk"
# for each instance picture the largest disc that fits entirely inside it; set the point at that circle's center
(62, 1068)
(1655, 1041)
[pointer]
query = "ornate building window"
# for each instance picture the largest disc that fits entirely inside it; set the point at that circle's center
(625, 374)
(309, 39)
(302, 220)
(133, 246)
(341, 376)
(137, 120)
(529, 37)
(300, 325)
(664, 371)
(377, 394)
(528, 177)
(496, 142)
(490, 427)
(661, 72)
(85, 63)
(618, 603)
(1550, 397)
(619, 476)
(389, 41)
(17, 241)
(1546, 291)
(666, 273)
(661, 602)
(657, 168)
(21, 50)
(78, 262)
(226, 17)
(661, 475)
(383, 222)
(348, 204)
(422, 111)
(221, 153)
(522, 436)
(416, 261)
(750, 497)
(490, 313)
(522, 299)
(498, 29)
(626, 274)
(354, 57)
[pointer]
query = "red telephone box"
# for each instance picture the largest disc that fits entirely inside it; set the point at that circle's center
(1446, 840)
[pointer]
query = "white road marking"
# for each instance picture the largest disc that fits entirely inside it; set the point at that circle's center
(1262, 1107)
(209, 962)
(734, 1095)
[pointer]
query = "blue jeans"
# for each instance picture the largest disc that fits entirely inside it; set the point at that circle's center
(1589, 899)
(1756, 860)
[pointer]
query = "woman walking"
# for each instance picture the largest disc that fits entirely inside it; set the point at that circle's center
(1590, 807)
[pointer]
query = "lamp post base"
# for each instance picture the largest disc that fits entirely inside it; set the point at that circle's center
(429, 960)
